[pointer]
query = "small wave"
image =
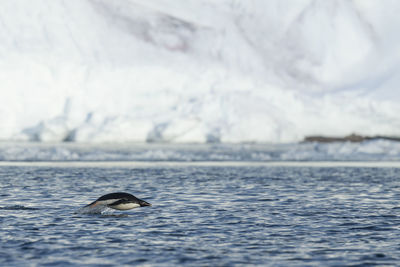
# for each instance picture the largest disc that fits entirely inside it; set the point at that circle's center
(101, 210)
(17, 207)
(115, 215)
(371, 228)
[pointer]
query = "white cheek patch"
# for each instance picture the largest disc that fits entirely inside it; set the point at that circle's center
(125, 206)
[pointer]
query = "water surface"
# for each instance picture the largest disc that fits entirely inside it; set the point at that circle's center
(201, 216)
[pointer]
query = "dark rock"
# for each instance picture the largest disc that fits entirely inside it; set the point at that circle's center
(350, 138)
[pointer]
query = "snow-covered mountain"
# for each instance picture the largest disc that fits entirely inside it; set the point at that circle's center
(198, 70)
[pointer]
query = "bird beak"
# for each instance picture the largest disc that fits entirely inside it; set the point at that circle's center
(144, 203)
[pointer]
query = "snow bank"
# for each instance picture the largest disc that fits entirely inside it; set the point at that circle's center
(373, 150)
(198, 71)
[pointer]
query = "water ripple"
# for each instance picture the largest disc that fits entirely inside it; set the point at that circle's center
(17, 207)
(202, 216)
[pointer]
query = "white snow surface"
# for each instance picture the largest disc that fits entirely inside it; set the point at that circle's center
(198, 70)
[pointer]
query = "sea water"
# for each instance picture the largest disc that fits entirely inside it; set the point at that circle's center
(202, 215)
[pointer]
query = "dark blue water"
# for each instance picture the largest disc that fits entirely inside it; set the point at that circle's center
(202, 216)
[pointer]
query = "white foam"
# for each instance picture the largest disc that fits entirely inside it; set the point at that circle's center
(99, 209)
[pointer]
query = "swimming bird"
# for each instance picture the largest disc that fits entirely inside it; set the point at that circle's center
(119, 201)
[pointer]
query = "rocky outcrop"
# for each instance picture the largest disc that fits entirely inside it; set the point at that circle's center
(350, 138)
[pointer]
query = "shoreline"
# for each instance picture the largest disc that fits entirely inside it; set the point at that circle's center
(166, 164)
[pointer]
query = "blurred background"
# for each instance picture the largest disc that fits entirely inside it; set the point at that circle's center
(198, 71)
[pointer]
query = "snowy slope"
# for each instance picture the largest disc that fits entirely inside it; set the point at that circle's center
(198, 71)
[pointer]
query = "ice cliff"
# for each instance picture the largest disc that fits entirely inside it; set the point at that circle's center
(198, 71)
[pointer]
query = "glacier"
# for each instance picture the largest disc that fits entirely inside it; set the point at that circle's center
(203, 71)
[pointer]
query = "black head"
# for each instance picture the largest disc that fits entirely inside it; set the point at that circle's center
(143, 203)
